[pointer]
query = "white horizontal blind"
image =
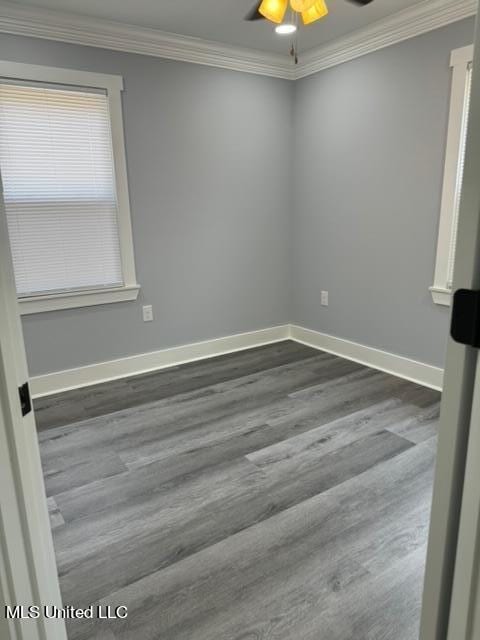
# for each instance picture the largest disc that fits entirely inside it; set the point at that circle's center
(59, 187)
(458, 187)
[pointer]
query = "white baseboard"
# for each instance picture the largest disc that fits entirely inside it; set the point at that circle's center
(419, 372)
(58, 381)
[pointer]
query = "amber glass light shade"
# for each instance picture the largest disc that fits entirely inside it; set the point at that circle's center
(274, 10)
(318, 10)
(301, 5)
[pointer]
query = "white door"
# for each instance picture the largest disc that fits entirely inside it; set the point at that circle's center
(452, 560)
(28, 574)
(464, 620)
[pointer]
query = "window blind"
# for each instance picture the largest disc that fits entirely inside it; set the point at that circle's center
(59, 188)
(458, 187)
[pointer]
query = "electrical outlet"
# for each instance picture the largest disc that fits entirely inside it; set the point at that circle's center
(147, 313)
(324, 299)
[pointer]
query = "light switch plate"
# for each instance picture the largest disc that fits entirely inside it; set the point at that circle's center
(324, 299)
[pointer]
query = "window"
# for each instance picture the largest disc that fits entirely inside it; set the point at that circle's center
(65, 188)
(461, 62)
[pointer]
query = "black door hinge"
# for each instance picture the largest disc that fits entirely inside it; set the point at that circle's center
(25, 400)
(465, 327)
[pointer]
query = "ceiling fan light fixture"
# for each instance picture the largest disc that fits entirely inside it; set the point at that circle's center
(317, 11)
(274, 10)
(285, 29)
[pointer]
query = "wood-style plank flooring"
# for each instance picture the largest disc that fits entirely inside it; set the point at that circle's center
(279, 493)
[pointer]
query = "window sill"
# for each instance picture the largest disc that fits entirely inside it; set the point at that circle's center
(441, 296)
(73, 300)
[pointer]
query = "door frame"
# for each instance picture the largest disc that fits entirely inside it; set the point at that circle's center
(28, 572)
(451, 480)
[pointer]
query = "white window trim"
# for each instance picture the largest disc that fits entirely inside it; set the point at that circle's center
(113, 86)
(460, 61)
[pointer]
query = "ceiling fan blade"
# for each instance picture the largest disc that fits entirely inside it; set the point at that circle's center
(254, 13)
(361, 3)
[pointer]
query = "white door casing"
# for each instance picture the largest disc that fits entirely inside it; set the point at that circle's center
(457, 398)
(28, 573)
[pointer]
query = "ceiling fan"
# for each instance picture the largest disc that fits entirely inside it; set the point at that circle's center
(276, 10)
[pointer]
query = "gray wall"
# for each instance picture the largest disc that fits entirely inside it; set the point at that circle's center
(369, 150)
(209, 160)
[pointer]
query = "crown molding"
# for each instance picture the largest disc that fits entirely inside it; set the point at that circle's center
(75, 29)
(408, 23)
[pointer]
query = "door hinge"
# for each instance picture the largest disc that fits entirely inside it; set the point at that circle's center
(465, 327)
(25, 400)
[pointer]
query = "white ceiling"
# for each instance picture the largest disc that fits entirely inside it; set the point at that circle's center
(223, 20)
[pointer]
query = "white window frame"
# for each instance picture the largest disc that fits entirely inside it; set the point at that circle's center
(113, 85)
(460, 61)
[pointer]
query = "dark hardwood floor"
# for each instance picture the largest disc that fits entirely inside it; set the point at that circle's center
(279, 493)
